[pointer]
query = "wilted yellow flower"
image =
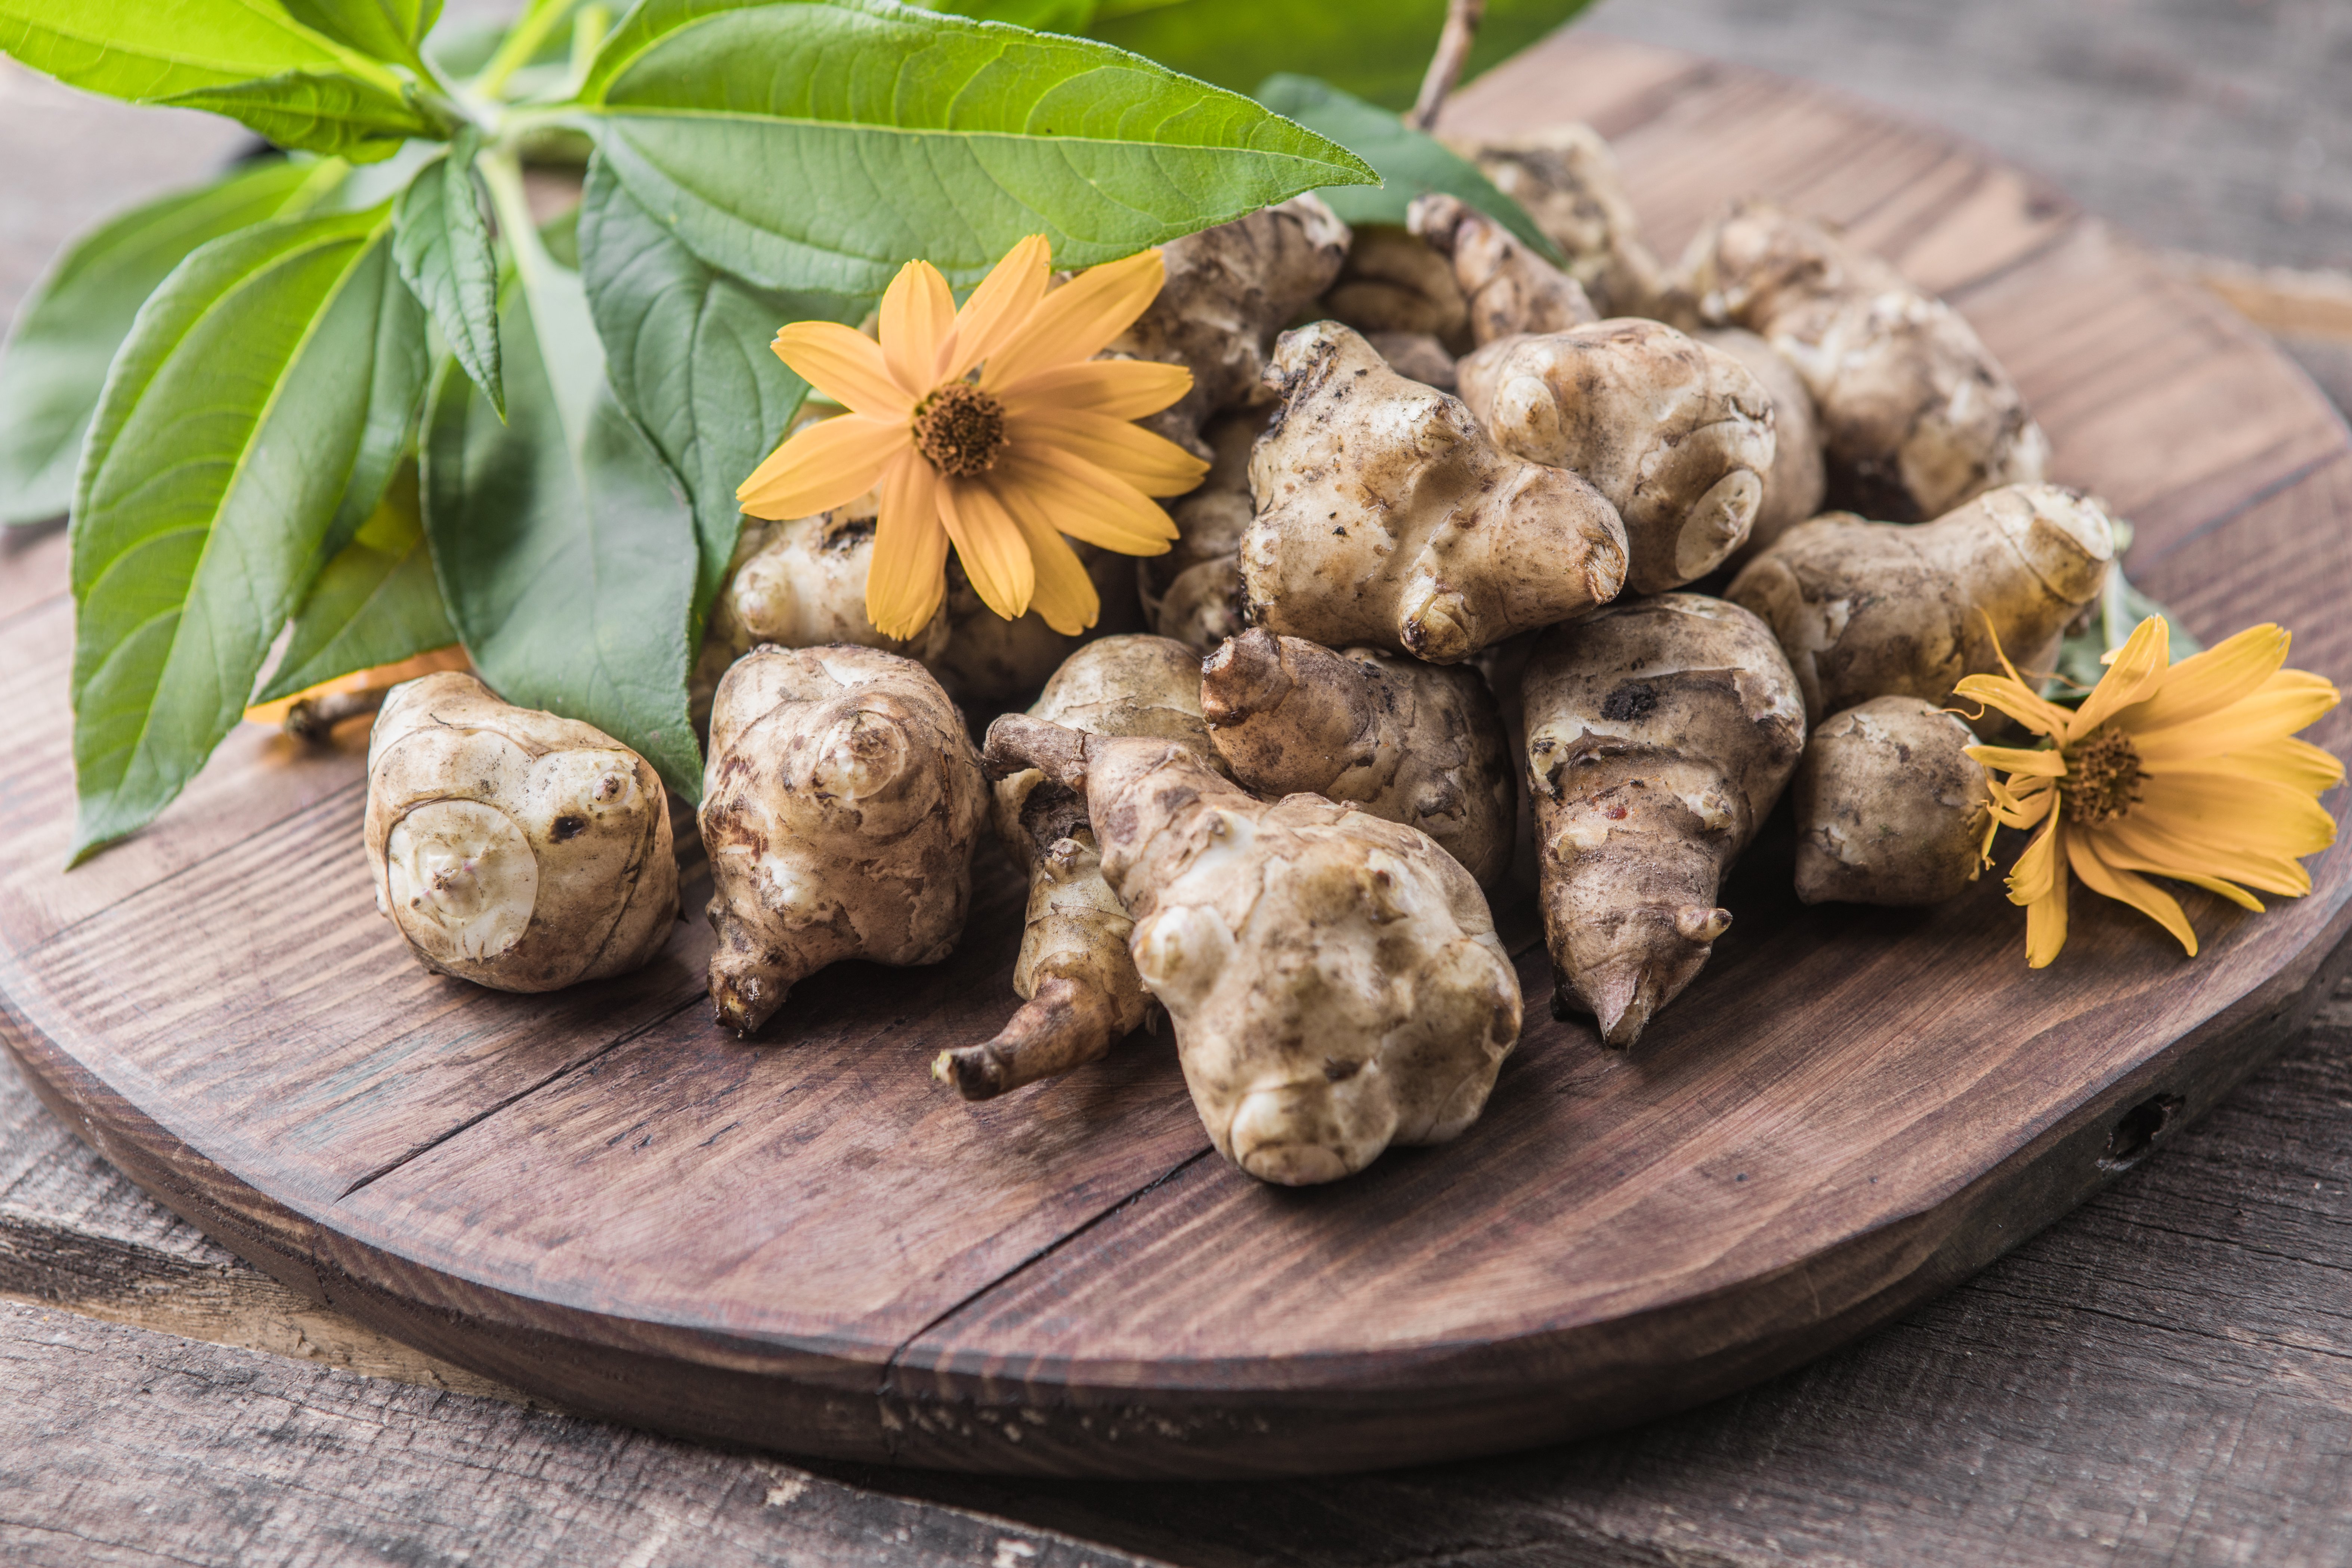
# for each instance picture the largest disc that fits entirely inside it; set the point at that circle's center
(2186, 771)
(1000, 463)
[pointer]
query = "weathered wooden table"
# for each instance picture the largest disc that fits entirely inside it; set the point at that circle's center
(2165, 1376)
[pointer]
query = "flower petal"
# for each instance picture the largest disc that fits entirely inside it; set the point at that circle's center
(906, 578)
(1081, 501)
(2015, 699)
(2039, 884)
(994, 553)
(997, 308)
(1152, 464)
(2207, 683)
(2229, 890)
(918, 314)
(1120, 388)
(2040, 762)
(2146, 846)
(821, 466)
(2298, 763)
(2125, 887)
(2230, 810)
(2137, 669)
(2030, 878)
(846, 366)
(2289, 700)
(1079, 320)
(1065, 598)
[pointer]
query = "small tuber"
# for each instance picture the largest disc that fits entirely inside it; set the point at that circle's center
(1891, 809)
(1392, 281)
(1660, 733)
(840, 805)
(1334, 980)
(1505, 287)
(1193, 592)
(1408, 741)
(1566, 178)
(511, 847)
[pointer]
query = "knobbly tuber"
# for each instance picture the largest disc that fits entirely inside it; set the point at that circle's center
(1891, 809)
(1386, 516)
(1394, 282)
(1677, 435)
(1074, 975)
(1916, 417)
(511, 847)
(987, 658)
(1229, 289)
(1335, 979)
(1416, 356)
(1882, 609)
(1507, 287)
(1793, 489)
(840, 805)
(1408, 742)
(1193, 592)
(1660, 733)
(1566, 178)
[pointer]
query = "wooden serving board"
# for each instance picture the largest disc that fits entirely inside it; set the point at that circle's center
(802, 1243)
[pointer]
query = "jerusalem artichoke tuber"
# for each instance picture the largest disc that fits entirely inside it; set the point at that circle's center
(1660, 732)
(1335, 979)
(511, 847)
(1792, 489)
(840, 805)
(1677, 435)
(1891, 809)
(1385, 515)
(1507, 287)
(1074, 975)
(1882, 609)
(1566, 178)
(1408, 742)
(1916, 417)
(987, 658)
(1392, 281)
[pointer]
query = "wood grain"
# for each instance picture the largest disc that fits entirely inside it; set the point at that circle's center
(799, 1244)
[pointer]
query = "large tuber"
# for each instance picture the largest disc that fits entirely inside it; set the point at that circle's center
(1891, 809)
(1660, 733)
(840, 805)
(1795, 486)
(511, 847)
(1507, 287)
(1335, 979)
(1412, 743)
(1386, 516)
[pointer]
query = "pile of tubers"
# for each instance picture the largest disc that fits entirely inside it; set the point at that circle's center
(1478, 532)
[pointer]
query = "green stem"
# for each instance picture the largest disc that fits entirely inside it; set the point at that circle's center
(502, 173)
(516, 49)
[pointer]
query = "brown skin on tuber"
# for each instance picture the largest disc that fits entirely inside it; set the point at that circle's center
(1677, 436)
(1890, 808)
(1193, 592)
(1882, 609)
(987, 658)
(1916, 417)
(840, 805)
(1566, 178)
(1074, 973)
(1386, 516)
(1507, 287)
(1408, 742)
(1335, 979)
(1416, 356)
(1394, 282)
(1793, 489)
(1660, 733)
(511, 847)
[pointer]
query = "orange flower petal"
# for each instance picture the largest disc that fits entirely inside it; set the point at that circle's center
(2037, 882)
(906, 579)
(2137, 669)
(998, 307)
(2140, 846)
(2125, 887)
(1083, 501)
(1065, 598)
(1079, 320)
(1152, 464)
(918, 314)
(823, 465)
(994, 553)
(2015, 699)
(2207, 683)
(846, 366)
(1120, 388)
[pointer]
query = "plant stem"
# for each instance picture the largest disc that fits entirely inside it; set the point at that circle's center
(502, 176)
(517, 48)
(1461, 31)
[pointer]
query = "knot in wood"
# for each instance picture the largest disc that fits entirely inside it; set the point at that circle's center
(959, 430)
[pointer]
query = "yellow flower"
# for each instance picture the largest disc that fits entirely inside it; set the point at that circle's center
(2186, 771)
(1002, 463)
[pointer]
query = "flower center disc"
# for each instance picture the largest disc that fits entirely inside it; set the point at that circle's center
(959, 429)
(2103, 779)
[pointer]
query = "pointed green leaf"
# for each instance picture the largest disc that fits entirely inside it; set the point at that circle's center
(149, 49)
(1072, 17)
(816, 146)
(565, 553)
(689, 358)
(223, 448)
(325, 112)
(387, 29)
(377, 603)
(443, 247)
(67, 330)
(1411, 163)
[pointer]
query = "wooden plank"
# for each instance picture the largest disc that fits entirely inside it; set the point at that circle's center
(32, 567)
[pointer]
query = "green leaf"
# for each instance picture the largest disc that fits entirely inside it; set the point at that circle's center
(2122, 607)
(1411, 163)
(689, 358)
(1044, 16)
(377, 603)
(66, 333)
(149, 50)
(386, 29)
(443, 245)
(816, 146)
(1376, 51)
(566, 555)
(325, 112)
(232, 424)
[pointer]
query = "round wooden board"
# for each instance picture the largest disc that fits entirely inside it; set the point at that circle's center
(802, 1244)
